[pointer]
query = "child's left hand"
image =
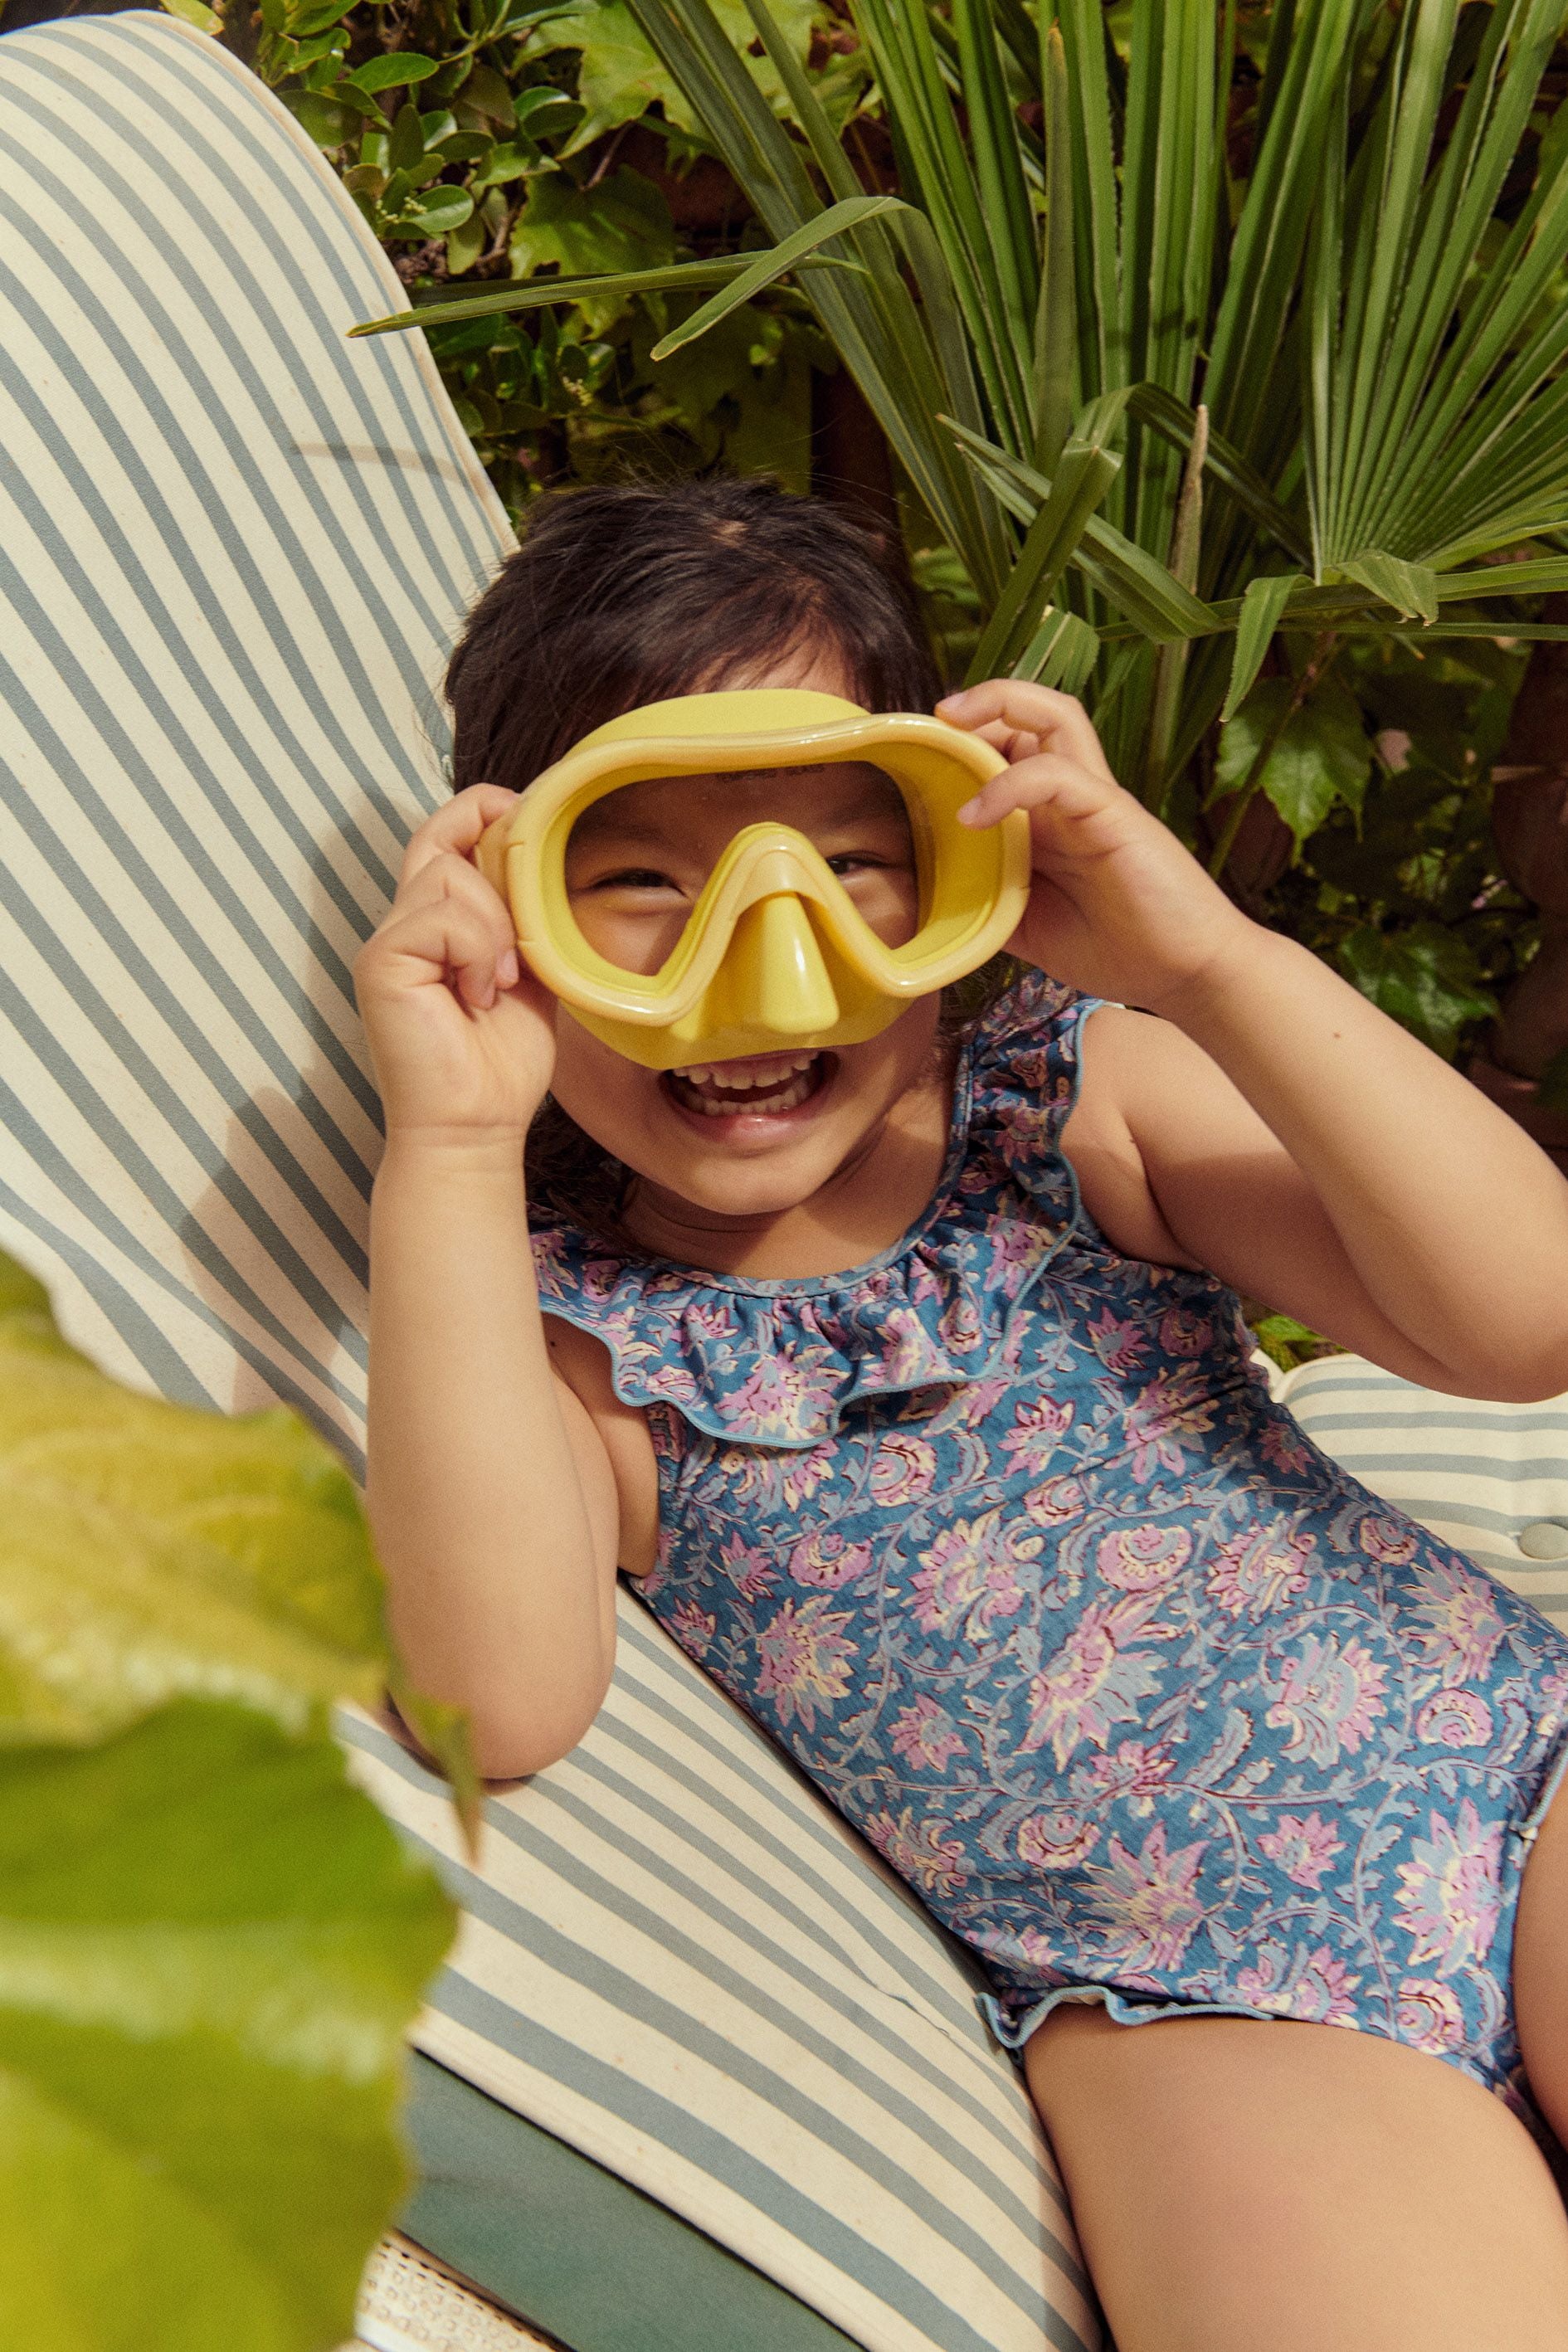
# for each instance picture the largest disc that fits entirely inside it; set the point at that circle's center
(1119, 908)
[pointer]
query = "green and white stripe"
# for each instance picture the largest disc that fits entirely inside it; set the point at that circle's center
(235, 548)
(1481, 1476)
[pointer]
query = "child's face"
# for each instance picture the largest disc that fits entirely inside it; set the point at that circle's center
(760, 1136)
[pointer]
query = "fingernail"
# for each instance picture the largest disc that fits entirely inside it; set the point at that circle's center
(507, 971)
(969, 812)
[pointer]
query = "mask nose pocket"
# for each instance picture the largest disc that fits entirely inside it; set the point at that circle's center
(774, 977)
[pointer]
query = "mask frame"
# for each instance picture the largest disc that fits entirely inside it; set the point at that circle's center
(774, 954)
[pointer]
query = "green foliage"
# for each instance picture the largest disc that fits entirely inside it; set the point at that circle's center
(1422, 975)
(1406, 898)
(210, 1947)
(480, 140)
(210, 1943)
(1287, 1342)
(1303, 757)
(219, 1558)
(1344, 229)
(619, 78)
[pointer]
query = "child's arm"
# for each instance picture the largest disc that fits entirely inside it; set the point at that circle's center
(1284, 1133)
(489, 1491)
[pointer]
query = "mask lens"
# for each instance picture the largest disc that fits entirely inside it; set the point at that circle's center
(638, 858)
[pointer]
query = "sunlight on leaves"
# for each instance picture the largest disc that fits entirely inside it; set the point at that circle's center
(1319, 756)
(210, 1948)
(149, 1550)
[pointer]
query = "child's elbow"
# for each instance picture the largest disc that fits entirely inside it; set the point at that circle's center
(1522, 1380)
(512, 1751)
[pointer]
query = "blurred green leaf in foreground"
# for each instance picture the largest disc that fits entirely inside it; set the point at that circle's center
(211, 1944)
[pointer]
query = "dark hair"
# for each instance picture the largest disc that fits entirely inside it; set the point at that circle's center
(631, 594)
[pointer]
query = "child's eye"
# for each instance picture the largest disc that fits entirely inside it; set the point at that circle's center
(853, 861)
(632, 878)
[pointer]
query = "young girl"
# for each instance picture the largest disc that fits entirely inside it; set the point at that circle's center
(909, 1382)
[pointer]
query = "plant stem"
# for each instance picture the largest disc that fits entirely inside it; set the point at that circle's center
(1170, 661)
(1322, 657)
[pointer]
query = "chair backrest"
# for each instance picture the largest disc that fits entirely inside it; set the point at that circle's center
(233, 552)
(235, 549)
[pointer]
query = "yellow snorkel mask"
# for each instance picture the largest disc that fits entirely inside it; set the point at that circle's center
(774, 953)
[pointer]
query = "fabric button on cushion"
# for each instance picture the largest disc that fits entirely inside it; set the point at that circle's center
(1545, 1540)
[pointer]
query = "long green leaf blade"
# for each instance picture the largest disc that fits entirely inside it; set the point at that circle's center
(536, 294)
(1261, 607)
(775, 264)
(1410, 588)
(1056, 320)
(1080, 482)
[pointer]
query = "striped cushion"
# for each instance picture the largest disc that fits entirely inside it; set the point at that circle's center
(1482, 1476)
(234, 550)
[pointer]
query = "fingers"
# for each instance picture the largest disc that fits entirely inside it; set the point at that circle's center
(448, 919)
(1006, 739)
(1059, 722)
(1048, 783)
(455, 829)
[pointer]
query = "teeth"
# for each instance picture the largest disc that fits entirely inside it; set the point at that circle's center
(791, 1095)
(737, 1078)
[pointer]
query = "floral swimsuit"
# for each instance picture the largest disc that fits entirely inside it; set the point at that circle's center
(1003, 1538)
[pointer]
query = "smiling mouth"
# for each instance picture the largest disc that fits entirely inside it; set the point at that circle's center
(767, 1084)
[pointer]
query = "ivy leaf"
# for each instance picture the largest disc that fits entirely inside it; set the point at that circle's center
(395, 70)
(192, 11)
(149, 1550)
(210, 1947)
(1424, 976)
(1321, 755)
(434, 215)
(623, 224)
(321, 118)
(620, 77)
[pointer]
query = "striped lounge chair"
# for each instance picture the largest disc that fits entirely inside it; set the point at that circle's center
(701, 2072)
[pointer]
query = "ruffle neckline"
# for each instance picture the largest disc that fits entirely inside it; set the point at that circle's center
(779, 1362)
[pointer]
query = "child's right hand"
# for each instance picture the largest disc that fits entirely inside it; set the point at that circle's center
(461, 1035)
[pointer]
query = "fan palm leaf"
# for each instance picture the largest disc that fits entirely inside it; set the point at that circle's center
(1365, 306)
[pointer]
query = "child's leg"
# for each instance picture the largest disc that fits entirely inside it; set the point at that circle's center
(1540, 1967)
(1243, 2183)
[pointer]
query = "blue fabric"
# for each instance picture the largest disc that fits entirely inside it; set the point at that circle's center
(1002, 1537)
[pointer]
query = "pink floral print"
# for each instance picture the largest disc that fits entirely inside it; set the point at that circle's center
(1302, 1847)
(1001, 1539)
(925, 1735)
(1330, 1695)
(1449, 1897)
